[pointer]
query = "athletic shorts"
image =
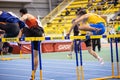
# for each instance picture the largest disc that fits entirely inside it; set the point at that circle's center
(98, 25)
(87, 41)
(11, 29)
(33, 32)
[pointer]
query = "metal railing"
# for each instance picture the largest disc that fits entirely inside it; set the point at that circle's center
(108, 11)
(56, 11)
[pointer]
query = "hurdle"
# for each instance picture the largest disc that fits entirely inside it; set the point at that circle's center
(2, 58)
(80, 70)
(77, 63)
(112, 60)
(7, 40)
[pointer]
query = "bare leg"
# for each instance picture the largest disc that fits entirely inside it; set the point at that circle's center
(35, 63)
(94, 54)
(72, 47)
(88, 28)
(71, 50)
(35, 60)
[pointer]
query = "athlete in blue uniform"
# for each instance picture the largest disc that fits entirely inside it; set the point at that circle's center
(10, 25)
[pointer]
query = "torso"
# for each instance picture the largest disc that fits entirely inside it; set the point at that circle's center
(31, 21)
(94, 19)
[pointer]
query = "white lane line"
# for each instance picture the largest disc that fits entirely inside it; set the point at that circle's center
(55, 67)
(11, 75)
(60, 67)
(14, 69)
(55, 72)
(55, 63)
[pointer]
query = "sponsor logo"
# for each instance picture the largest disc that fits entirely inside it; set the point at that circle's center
(64, 47)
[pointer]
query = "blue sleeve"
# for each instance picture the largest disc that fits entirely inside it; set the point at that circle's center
(21, 24)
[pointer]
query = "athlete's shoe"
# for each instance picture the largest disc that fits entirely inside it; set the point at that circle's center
(32, 78)
(69, 56)
(101, 61)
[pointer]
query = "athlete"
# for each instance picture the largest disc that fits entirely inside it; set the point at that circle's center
(93, 23)
(33, 30)
(76, 33)
(10, 25)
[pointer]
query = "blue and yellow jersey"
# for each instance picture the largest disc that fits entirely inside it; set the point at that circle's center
(82, 32)
(94, 19)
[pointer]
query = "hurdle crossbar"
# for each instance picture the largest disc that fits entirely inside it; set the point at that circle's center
(56, 38)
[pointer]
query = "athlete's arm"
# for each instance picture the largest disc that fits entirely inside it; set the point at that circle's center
(20, 33)
(73, 25)
(83, 17)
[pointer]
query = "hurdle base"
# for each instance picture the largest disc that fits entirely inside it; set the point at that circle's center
(5, 59)
(108, 77)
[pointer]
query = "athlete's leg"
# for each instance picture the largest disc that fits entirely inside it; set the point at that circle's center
(35, 55)
(93, 53)
(35, 43)
(35, 60)
(35, 33)
(89, 48)
(71, 50)
(89, 28)
(11, 29)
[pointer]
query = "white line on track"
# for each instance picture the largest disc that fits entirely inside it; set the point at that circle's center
(50, 71)
(19, 76)
(11, 75)
(56, 67)
(60, 67)
(55, 63)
